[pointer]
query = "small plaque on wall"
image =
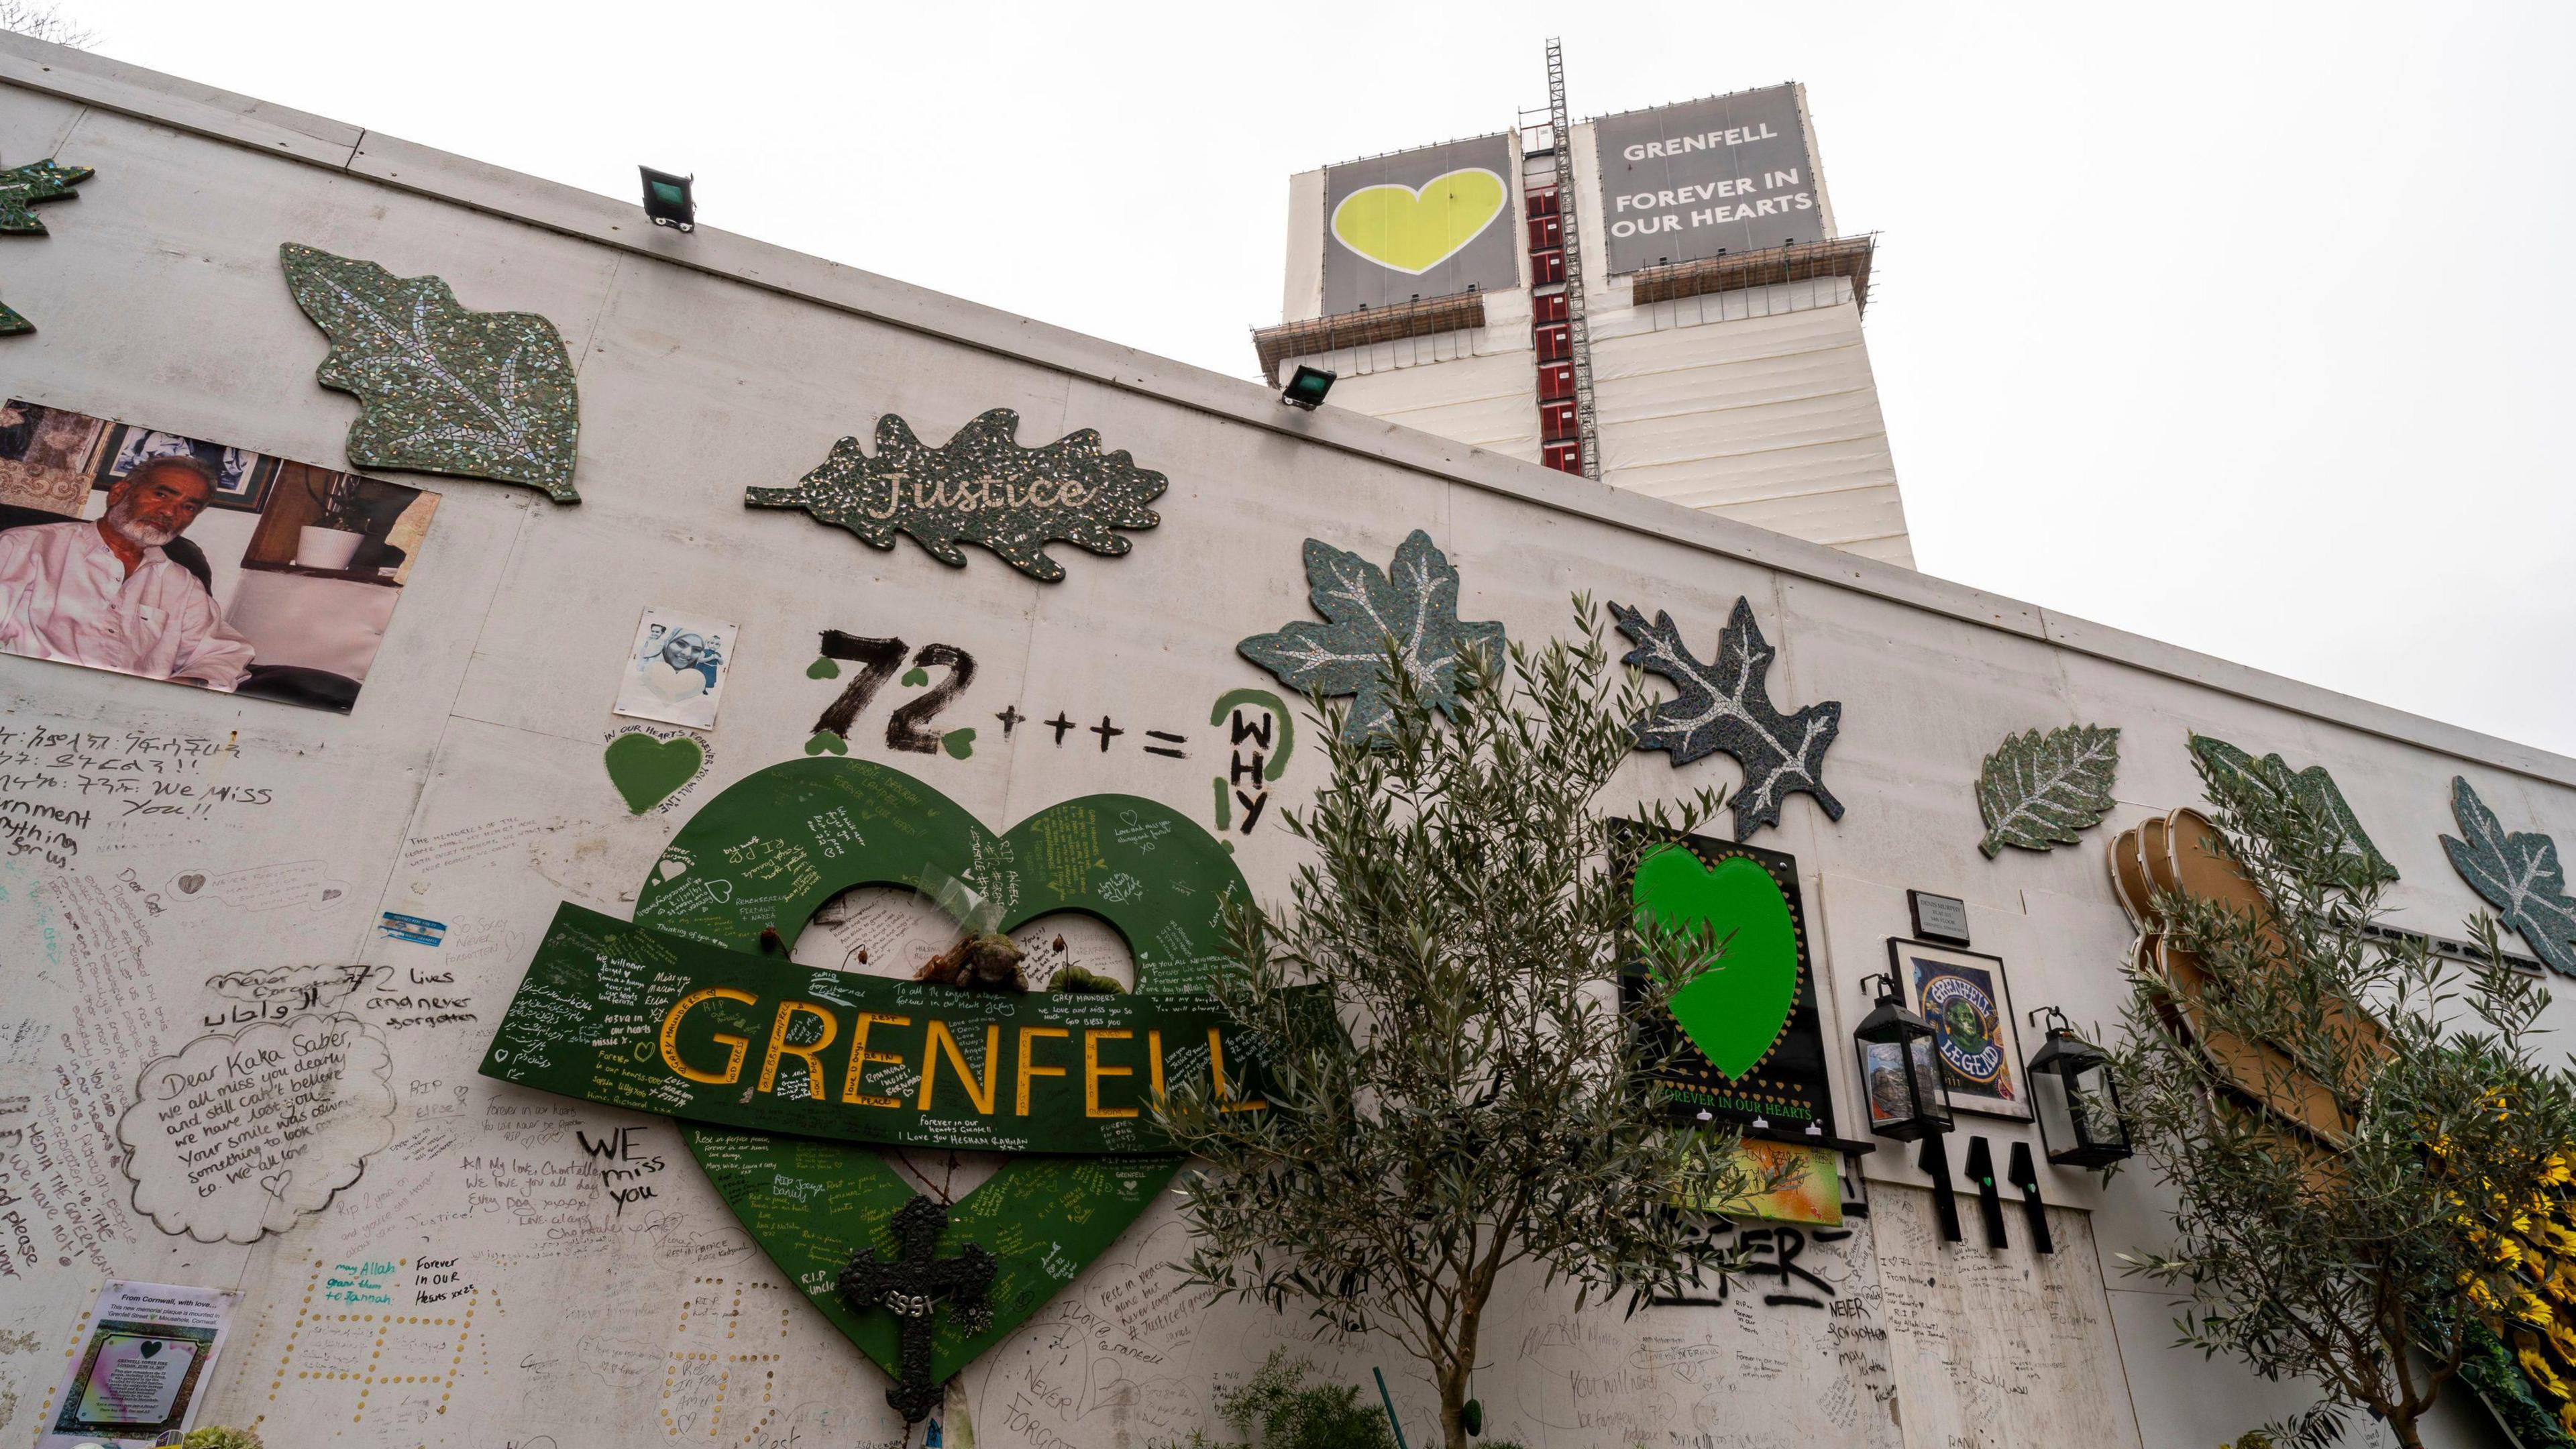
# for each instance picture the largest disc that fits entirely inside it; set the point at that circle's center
(1939, 918)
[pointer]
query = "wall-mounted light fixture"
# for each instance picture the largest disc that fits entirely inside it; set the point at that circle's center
(2080, 1121)
(667, 199)
(1306, 387)
(1899, 1074)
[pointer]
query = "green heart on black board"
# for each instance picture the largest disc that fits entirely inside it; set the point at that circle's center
(772, 848)
(1736, 1010)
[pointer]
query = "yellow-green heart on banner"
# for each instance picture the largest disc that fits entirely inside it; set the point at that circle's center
(1413, 229)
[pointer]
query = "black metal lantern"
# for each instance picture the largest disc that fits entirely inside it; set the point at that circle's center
(2078, 1104)
(1900, 1070)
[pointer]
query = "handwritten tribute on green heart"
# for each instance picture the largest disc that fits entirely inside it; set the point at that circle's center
(770, 850)
(1736, 1010)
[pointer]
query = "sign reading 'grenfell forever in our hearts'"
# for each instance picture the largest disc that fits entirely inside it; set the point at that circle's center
(1727, 174)
(627, 1016)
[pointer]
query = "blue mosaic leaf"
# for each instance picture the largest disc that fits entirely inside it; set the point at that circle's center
(2518, 874)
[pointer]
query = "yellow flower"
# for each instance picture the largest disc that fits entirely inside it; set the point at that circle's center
(2537, 1368)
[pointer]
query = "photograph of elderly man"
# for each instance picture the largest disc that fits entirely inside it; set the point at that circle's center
(104, 592)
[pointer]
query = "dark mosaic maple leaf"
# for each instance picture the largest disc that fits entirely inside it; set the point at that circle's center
(1726, 707)
(21, 187)
(1414, 604)
(981, 487)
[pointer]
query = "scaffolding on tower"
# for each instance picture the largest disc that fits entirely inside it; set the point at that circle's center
(1559, 336)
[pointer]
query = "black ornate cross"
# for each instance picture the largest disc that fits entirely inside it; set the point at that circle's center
(908, 1286)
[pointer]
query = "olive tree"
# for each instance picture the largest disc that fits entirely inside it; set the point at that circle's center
(2364, 1143)
(1453, 1087)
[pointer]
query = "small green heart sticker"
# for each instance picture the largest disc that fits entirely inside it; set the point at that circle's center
(826, 740)
(1736, 1010)
(648, 771)
(822, 669)
(915, 678)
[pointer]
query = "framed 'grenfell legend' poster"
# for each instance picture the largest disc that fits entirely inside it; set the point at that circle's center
(1976, 1036)
(1755, 1053)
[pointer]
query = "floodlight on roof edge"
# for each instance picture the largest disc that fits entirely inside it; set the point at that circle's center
(1306, 387)
(667, 199)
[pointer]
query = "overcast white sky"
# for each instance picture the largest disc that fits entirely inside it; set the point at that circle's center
(2241, 326)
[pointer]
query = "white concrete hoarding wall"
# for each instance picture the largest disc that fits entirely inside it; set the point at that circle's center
(479, 1284)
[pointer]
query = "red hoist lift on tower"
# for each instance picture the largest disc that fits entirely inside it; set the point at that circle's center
(1557, 333)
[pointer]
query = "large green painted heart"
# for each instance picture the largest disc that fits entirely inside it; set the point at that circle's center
(1736, 1010)
(646, 770)
(1413, 230)
(773, 847)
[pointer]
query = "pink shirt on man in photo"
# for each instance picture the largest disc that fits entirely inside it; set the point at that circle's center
(65, 595)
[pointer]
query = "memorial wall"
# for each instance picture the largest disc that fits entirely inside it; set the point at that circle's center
(462, 918)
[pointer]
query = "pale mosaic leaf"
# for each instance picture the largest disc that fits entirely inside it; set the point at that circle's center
(2040, 791)
(445, 390)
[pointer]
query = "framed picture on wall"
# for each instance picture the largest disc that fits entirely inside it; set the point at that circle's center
(1977, 1035)
(46, 457)
(242, 477)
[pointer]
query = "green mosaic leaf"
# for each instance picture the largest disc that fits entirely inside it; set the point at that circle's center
(21, 187)
(2039, 791)
(2312, 785)
(446, 390)
(980, 487)
(2518, 874)
(1413, 604)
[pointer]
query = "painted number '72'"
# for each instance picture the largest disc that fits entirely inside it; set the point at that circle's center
(878, 660)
